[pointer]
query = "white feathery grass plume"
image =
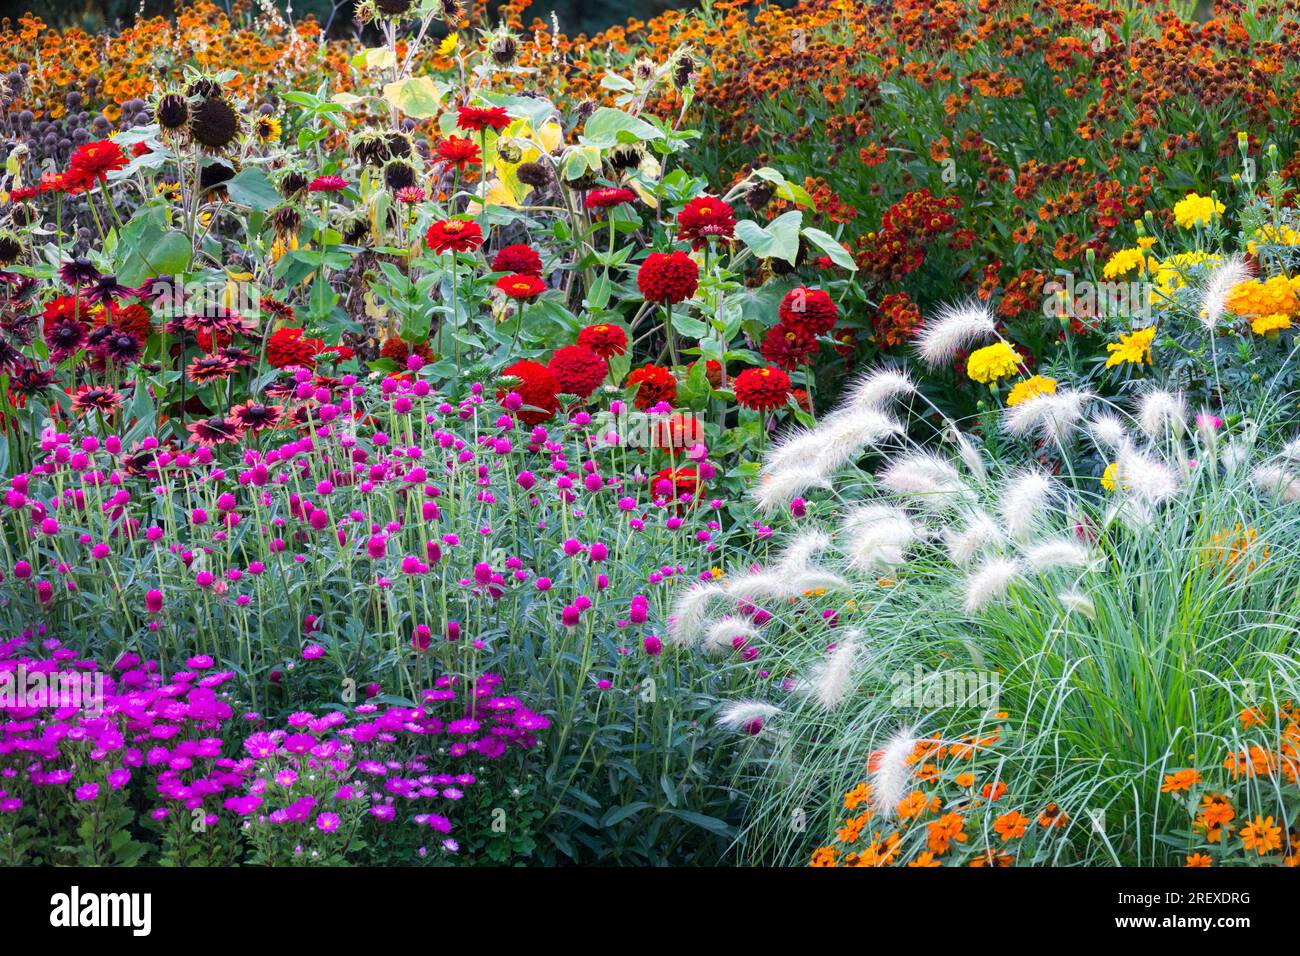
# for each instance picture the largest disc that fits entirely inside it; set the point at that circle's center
(1134, 513)
(953, 329)
(1076, 602)
(1053, 417)
(831, 680)
(815, 579)
(1291, 450)
(875, 389)
(1218, 284)
(891, 777)
(757, 585)
(777, 489)
(746, 715)
(989, 582)
(799, 553)
(1276, 481)
(723, 632)
(1108, 432)
(978, 534)
(1146, 477)
(1235, 455)
(877, 536)
(1162, 413)
(1058, 553)
(689, 612)
(969, 453)
(929, 481)
(791, 450)
(1023, 500)
(843, 435)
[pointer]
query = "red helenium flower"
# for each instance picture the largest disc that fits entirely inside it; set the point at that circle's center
(668, 277)
(762, 388)
(578, 369)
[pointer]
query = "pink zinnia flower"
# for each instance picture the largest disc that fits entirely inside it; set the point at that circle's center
(327, 184)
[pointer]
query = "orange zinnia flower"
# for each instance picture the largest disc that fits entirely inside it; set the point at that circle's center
(1011, 826)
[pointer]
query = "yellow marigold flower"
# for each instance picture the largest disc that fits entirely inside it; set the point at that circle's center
(1124, 262)
(1171, 274)
(1031, 387)
(1110, 477)
(992, 362)
(1194, 210)
(1274, 322)
(1255, 298)
(1146, 242)
(1132, 347)
(1273, 236)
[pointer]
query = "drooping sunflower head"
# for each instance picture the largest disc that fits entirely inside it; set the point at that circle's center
(502, 47)
(399, 175)
(11, 247)
(214, 124)
(293, 183)
(172, 110)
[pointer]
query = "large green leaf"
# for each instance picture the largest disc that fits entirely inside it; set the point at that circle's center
(778, 240)
(251, 188)
(608, 127)
(147, 248)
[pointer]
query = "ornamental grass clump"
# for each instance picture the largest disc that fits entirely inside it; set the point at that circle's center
(1102, 598)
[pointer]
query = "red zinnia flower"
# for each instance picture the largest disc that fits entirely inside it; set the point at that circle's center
(70, 182)
(809, 310)
(537, 387)
(518, 258)
(93, 161)
(712, 372)
(477, 118)
(676, 482)
(455, 234)
(788, 347)
(399, 350)
(703, 217)
(762, 388)
(327, 184)
(609, 196)
(287, 347)
(521, 286)
(604, 340)
(668, 277)
(457, 151)
(578, 370)
(653, 384)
